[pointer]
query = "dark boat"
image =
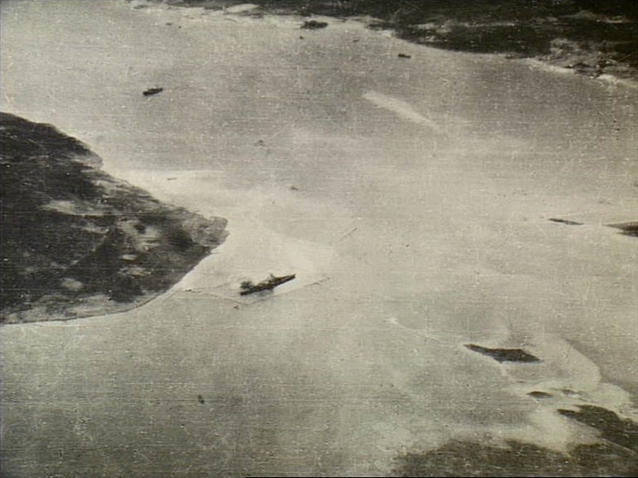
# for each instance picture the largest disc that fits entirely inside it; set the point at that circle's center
(268, 284)
(153, 91)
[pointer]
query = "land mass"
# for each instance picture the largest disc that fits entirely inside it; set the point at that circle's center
(504, 355)
(614, 454)
(77, 242)
(591, 37)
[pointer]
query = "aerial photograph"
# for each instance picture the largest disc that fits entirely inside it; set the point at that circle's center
(336, 238)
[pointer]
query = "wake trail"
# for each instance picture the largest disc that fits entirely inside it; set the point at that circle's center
(402, 109)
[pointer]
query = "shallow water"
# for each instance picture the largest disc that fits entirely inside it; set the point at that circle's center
(411, 198)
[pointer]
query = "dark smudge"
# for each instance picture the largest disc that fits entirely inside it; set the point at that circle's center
(504, 355)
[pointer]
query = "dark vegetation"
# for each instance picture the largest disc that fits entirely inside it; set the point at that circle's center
(77, 242)
(504, 355)
(616, 454)
(464, 458)
(627, 228)
(590, 36)
(612, 428)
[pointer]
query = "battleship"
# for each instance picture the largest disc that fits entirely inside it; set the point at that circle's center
(269, 284)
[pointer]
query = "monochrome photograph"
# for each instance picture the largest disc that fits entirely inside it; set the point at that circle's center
(337, 238)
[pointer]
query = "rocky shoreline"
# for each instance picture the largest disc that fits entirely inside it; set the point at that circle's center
(78, 242)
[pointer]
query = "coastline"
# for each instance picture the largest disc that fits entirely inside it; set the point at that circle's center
(591, 39)
(246, 342)
(79, 243)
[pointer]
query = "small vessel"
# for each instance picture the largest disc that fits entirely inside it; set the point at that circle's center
(269, 284)
(153, 91)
